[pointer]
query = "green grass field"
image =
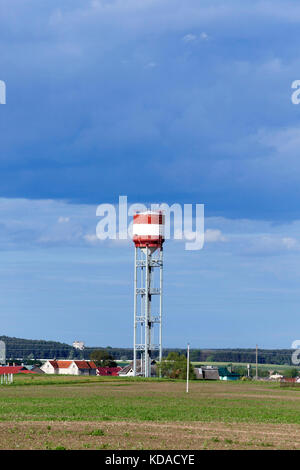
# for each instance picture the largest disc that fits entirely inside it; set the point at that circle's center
(106, 398)
(119, 403)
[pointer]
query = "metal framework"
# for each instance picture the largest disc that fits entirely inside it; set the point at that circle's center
(147, 310)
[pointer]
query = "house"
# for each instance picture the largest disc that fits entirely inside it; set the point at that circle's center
(207, 373)
(276, 377)
(127, 371)
(69, 367)
(113, 371)
(15, 370)
(225, 374)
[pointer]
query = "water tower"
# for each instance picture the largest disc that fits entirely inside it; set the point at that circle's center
(148, 237)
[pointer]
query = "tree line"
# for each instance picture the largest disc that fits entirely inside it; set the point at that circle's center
(40, 349)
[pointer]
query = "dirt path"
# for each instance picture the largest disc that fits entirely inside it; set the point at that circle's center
(129, 435)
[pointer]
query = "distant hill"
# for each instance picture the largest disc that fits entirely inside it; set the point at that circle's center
(28, 349)
(18, 348)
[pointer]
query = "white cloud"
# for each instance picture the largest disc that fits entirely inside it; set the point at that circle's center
(214, 236)
(290, 243)
(189, 38)
(91, 238)
(151, 65)
(204, 36)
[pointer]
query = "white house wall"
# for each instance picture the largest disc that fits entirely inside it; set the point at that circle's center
(48, 368)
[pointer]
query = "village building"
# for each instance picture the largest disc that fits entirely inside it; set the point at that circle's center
(215, 373)
(207, 373)
(127, 371)
(276, 377)
(225, 374)
(15, 370)
(69, 367)
(113, 371)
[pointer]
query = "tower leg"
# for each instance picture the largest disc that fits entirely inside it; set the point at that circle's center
(160, 305)
(135, 309)
(147, 315)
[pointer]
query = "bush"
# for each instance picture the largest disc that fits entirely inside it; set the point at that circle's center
(175, 367)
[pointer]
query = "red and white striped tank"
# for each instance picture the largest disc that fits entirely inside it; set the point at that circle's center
(148, 229)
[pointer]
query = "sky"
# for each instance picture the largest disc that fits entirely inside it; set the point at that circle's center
(181, 101)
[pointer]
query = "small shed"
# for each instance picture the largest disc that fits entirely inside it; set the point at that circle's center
(207, 373)
(225, 374)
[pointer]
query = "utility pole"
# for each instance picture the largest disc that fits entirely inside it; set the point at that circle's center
(187, 368)
(256, 372)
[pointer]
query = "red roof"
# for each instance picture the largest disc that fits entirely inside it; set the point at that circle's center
(92, 365)
(54, 364)
(63, 364)
(85, 365)
(14, 370)
(28, 372)
(108, 370)
(79, 364)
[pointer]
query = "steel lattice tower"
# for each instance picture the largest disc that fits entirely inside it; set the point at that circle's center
(148, 287)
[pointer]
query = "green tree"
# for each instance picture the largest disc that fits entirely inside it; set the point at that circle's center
(102, 358)
(174, 366)
(293, 372)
